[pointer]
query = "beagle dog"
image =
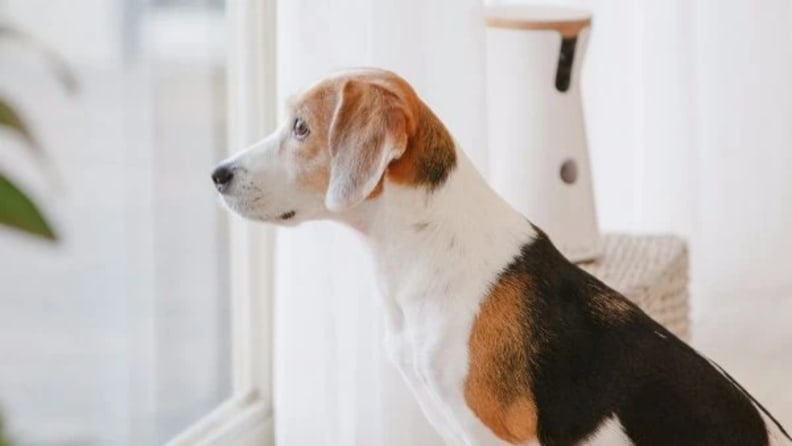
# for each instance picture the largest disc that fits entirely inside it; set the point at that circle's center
(501, 339)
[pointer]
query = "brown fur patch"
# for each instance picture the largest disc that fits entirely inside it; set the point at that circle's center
(498, 385)
(369, 128)
(611, 309)
(310, 158)
(430, 154)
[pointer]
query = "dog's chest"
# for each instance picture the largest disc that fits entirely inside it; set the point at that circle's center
(431, 327)
(428, 341)
(431, 351)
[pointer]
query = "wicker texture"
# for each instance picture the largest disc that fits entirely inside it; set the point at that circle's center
(652, 271)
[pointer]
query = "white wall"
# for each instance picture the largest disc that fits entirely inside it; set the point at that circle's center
(745, 144)
(742, 241)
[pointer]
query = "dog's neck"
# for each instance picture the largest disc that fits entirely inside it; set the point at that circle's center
(426, 243)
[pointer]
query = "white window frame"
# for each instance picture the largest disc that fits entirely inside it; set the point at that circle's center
(246, 418)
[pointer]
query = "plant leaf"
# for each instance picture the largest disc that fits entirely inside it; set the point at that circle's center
(3, 440)
(10, 119)
(19, 212)
(55, 61)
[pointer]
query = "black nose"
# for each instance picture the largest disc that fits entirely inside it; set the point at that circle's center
(222, 177)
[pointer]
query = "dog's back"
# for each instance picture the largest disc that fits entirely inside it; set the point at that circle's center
(595, 356)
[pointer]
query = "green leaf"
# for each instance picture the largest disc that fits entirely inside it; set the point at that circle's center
(3, 440)
(13, 121)
(10, 119)
(57, 64)
(19, 212)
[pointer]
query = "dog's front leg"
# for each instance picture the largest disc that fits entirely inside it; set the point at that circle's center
(403, 355)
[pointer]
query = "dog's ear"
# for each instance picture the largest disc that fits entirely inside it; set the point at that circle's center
(368, 131)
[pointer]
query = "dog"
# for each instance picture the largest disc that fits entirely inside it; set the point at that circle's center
(500, 338)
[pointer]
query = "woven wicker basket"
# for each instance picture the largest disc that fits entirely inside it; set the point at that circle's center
(652, 271)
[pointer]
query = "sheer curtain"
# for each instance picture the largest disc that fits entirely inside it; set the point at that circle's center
(685, 106)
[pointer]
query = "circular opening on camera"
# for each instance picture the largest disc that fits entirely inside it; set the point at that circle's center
(569, 172)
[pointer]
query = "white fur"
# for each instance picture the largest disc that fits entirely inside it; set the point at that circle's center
(437, 254)
(610, 433)
(265, 184)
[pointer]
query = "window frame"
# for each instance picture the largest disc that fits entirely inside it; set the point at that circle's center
(246, 418)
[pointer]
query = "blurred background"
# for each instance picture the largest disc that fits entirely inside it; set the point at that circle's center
(118, 333)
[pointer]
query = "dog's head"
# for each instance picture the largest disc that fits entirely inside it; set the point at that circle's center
(342, 139)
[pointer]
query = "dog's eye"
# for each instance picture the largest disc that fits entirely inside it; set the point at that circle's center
(300, 129)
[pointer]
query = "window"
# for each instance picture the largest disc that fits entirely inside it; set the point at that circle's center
(142, 320)
(246, 418)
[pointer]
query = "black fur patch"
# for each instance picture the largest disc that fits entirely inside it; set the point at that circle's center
(594, 354)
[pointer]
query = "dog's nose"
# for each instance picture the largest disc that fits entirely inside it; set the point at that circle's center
(222, 177)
